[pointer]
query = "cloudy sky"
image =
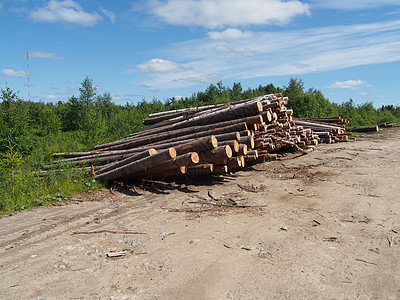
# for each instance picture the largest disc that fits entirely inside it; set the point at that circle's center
(171, 48)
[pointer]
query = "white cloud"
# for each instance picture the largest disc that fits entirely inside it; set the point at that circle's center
(230, 51)
(363, 93)
(66, 11)
(354, 4)
(348, 84)
(45, 55)
(223, 13)
(230, 33)
(13, 73)
(280, 53)
(158, 65)
(108, 14)
(51, 97)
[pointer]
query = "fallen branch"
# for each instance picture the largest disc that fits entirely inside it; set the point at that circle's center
(367, 262)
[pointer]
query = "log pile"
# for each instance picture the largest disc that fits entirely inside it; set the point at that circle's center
(329, 130)
(210, 139)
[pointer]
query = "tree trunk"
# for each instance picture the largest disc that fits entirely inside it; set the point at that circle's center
(373, 128)
(187, 159)
(200, 169)
(137, 166)
(127, 160)
(219, 155)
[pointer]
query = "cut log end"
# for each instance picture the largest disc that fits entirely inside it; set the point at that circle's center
(214, 141)
(228, 151)
(245, 150)
(259, 106)
(172, 152)
(236, 146)
(152, 151)
(195, 157)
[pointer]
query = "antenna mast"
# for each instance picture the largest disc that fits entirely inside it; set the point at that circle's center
(27, 75)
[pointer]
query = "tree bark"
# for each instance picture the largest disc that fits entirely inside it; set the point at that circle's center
(234, 144)
(219, 155)
(200, 169)
(137, 166)
(365, 128)
(187, 159)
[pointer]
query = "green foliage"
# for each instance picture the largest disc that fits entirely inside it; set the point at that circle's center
(15, 127)
(30, 132)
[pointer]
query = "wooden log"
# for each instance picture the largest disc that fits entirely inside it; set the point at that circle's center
(257, 119)
(128, 160)
(234, 162)
(174, 131)
(250, 158)
(248, 140)
(220, 169)
(201, 144)
(162, 139)
(200, 169)
(242, 110)
(228, 136)
(219, 155)
(252, 152)
(314, 125)
(373, 128)
(234, 144)
(267, 116)
(137, 166)
(104, 154)
(217, 132)
(107, 157)
(242, 161)
(184, 160)
(186, 112)
(189, 144)
(243, 149)
(74, 154)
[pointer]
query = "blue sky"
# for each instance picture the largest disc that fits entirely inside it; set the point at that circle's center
(171, 48)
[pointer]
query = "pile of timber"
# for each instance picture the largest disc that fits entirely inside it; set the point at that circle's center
(328, 130)
(210, 139)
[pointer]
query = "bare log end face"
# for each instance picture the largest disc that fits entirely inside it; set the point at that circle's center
(195, 158)
(228, 151)
(259, 106)
(213, 141)
(172, 152)
(235, 146)
(152, 151)
(238, 136)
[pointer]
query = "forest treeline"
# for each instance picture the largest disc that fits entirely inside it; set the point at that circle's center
(31, 131)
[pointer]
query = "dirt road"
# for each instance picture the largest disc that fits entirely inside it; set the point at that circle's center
(323, 226)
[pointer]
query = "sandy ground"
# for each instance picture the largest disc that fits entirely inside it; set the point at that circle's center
(324, 226)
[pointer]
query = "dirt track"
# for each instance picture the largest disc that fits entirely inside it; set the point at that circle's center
(324, 226)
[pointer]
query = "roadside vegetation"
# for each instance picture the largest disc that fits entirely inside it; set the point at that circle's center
(31, 131)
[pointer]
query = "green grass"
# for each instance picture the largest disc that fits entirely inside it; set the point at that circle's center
(25, 189)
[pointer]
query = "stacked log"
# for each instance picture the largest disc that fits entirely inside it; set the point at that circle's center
(213, 139)
(328, 130)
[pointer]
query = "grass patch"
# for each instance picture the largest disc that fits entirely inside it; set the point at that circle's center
(24, 188)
